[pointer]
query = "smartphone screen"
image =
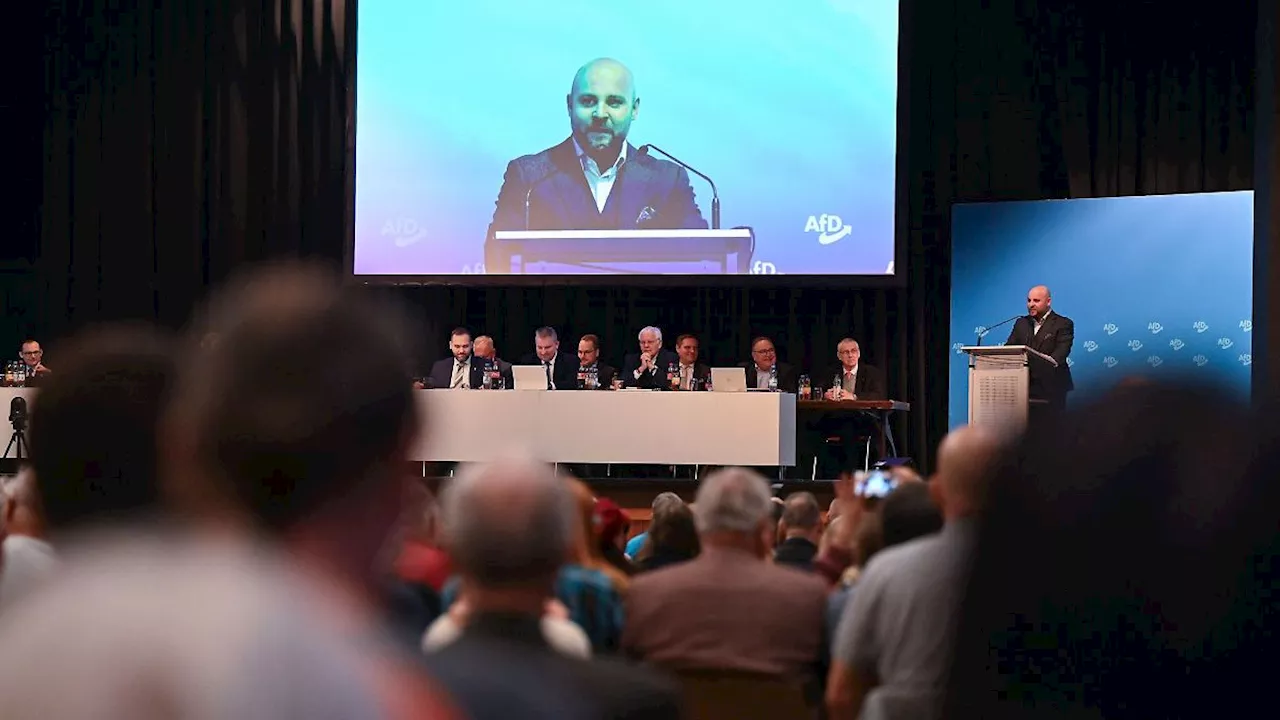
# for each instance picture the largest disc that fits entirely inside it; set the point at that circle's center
(876, 484)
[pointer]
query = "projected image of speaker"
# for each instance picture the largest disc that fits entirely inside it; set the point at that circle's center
(547, 151)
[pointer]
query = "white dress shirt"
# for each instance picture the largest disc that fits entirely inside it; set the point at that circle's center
(601, 183)
(461, 379)
(1037, 324)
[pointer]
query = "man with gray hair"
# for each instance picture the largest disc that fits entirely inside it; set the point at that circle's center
(729, 608)
(509, 526)
(663, 503)
(653, 367)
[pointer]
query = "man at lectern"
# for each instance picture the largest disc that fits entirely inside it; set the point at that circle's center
(595, 179)
(1047, 332)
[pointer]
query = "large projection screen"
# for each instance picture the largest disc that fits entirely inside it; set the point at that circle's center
(477, 120)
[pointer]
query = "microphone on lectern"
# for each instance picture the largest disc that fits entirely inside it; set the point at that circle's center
(715, 193)
(528, 196)
(993, 327)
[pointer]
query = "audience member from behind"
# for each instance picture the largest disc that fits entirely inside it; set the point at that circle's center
(612, 523)
(93, 429)
(421, 560)
(28, 560)
(728, 608)
(892, 646)
(908, 512)
(509, 525)
(801, 530)
(587, 548)
(673, 538)
(271, 445)
(660, 504)
(1127, 565)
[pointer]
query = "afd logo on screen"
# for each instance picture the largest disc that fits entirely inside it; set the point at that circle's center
(403, 231)
(830, 228)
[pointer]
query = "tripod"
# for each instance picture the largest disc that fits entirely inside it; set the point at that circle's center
(18, 441)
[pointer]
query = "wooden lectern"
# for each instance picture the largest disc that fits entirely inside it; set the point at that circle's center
(999, 384)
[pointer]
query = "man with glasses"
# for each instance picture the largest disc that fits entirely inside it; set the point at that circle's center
(764, 362)
(32, 356)
(858, 380)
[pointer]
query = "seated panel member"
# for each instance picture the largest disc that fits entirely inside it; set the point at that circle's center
(763, 358)
(486, 351)
(594, 179)
(589, 359)
(562, 370)
(693, 374)
(858, 380)
(458, 372)
(32, 356)
(650, 368)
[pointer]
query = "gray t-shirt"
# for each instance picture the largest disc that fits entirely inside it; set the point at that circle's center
(900, 623)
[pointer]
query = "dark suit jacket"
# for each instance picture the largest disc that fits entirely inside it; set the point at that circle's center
(868, 385)
(564, 201)
(606, 372)
(650, 380)
(788, 380)
(797, 553)
(727, 609)
(565, 373)
(504, 368)
(501, 667)
(442, 373)
(701, 373)
(1054, 339)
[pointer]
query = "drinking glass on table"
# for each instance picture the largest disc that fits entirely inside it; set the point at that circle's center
(617, 383)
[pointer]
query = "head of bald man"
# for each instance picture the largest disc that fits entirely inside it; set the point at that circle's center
(967, 457)
(602, 103)
(1038, 301)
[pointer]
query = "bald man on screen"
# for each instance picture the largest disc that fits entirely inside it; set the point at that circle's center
(594, 179)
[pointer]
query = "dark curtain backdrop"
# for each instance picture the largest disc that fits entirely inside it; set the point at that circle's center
(184, 139)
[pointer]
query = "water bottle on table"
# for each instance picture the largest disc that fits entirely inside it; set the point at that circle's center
(773, 379)
(806, 387)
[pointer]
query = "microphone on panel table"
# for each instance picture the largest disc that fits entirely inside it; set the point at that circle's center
(715, 193)
(528, 196)
(984, 331)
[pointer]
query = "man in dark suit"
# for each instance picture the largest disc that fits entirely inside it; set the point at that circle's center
(487, 352)
(508, 527)
(692, 374)
(460, 371)
(764, 357)
(857, 380)
(589, 361)
(652, 367)
(852, 379)
(561, 370)
(595, 179)
(1047, 332)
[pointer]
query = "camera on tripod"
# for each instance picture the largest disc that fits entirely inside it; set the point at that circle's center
(18, 440)
(18, 413)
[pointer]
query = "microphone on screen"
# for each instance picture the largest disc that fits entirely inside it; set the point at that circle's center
(984, 331)
(528, 196)
(715, 193)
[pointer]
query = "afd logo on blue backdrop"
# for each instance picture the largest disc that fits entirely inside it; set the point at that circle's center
(830, 228)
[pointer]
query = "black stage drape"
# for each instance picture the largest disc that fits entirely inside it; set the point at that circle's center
(183, 139)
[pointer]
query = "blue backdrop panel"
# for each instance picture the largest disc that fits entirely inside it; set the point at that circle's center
(1157, 285)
